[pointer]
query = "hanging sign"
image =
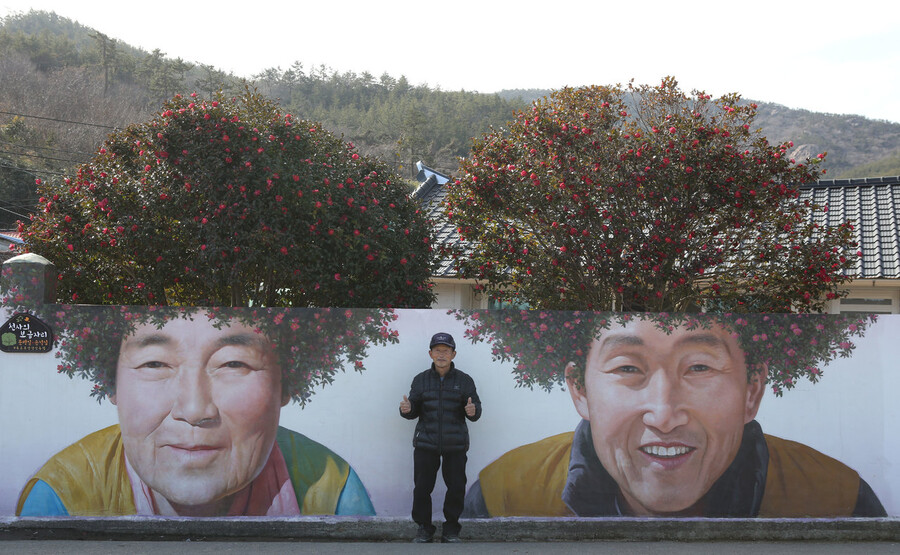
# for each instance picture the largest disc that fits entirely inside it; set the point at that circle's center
(25, 333)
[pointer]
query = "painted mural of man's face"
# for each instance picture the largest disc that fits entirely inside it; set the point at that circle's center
(667, 411)
(198, 408)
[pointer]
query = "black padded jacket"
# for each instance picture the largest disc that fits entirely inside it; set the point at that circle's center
(440, 407)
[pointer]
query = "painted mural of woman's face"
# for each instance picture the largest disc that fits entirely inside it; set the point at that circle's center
(667, 411)
(198, 408)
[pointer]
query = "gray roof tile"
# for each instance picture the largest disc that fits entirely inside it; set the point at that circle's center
(871, 205)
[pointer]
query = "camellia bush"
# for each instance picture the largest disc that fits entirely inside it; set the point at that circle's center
(228, 202)
(644, 198)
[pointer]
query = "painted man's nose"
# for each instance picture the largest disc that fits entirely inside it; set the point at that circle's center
(663, 408)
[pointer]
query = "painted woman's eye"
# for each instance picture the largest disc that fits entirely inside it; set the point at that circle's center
(628, 369)
(698, 368)
(153, 364)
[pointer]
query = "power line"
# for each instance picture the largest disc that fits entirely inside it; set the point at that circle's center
(58, 120)
(25, 202)
(13, 213)
(19, 145)
(32, 171)
(17, 168)
(39, 156)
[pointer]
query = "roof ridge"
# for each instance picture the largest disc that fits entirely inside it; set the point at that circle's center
(854, 182)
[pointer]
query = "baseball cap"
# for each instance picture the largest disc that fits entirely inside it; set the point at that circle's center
(442, 339)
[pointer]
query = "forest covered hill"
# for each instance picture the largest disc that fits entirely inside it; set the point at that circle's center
(65, 86)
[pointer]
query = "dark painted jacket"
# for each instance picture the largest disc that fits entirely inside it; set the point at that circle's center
(440, 407)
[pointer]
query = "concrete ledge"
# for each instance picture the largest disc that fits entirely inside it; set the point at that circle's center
(488, 530)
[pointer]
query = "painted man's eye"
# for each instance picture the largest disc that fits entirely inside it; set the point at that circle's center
(627, 369)
(698, 368)
(235, 364)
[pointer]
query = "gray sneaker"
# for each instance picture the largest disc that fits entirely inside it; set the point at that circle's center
(424, 535)
(450, 538)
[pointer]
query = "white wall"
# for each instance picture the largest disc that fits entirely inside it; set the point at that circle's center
(851, 415)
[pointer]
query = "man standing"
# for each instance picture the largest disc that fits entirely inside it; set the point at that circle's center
(442, 398)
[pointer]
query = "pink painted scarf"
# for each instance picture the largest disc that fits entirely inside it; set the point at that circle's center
(269, 494)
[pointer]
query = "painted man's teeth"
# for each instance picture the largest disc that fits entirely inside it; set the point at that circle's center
(660, 451)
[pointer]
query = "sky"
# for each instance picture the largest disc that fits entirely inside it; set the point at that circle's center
(823, 56)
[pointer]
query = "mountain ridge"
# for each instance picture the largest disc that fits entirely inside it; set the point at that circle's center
(56, 72)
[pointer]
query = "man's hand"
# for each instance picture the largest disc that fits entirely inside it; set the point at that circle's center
(405, 407)
(470, 408)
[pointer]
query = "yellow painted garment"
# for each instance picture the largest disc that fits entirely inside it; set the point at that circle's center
(800, 481)
(90, 478)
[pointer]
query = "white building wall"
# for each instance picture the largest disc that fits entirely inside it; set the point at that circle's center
(457, 293)
(871, 296)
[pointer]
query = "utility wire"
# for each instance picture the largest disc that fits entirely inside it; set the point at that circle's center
(13, 213)
(57, 120)
(21, 203)
(19, 145)
(31, 171)
(39, 156)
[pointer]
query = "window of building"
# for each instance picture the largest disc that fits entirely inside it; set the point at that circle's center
(871, 301)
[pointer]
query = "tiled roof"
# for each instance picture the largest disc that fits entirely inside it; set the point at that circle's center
(11, 236)
(431, 193)
(9, 244)
(871, 204)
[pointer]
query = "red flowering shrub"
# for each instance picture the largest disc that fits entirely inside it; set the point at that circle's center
(227, 202)
(542, 342)
(644, 199)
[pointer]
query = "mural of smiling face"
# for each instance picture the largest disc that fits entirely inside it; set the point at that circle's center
(198, 408)
(667, 411)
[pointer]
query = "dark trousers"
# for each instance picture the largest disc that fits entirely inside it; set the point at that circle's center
(425, 467)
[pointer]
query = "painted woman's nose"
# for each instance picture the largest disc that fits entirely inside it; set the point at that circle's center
(193, 402)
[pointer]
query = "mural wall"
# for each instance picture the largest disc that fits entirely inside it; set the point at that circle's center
(285, 412)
